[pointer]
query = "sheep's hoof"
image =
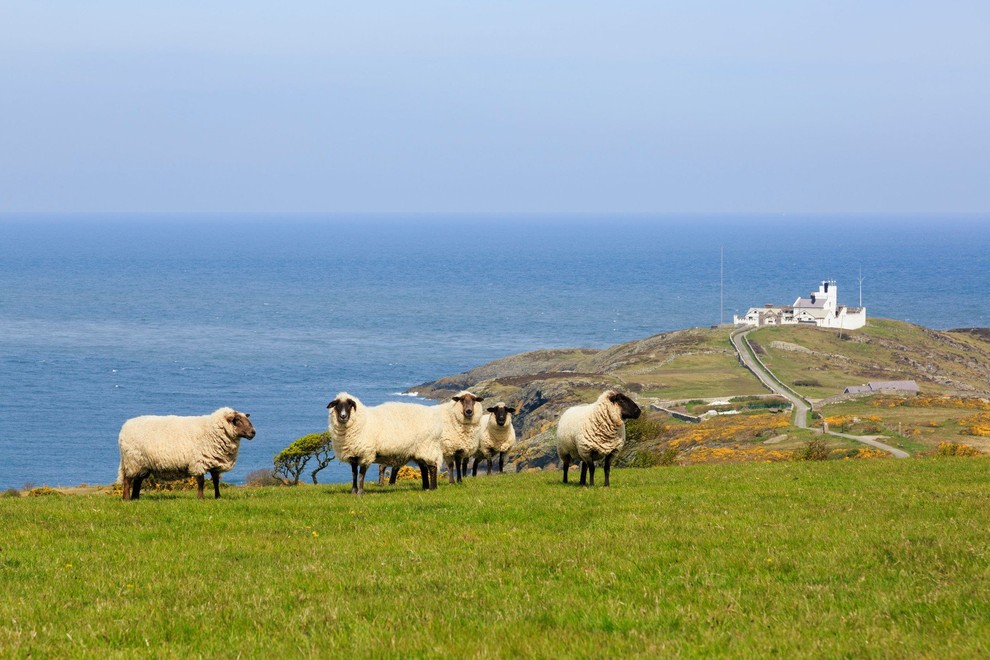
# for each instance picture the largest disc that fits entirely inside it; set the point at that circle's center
(354, 491)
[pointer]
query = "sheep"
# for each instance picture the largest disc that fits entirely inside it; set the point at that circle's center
(460, 417)
(173, 446)
(495, 435)
(594, 431)
(389, 434)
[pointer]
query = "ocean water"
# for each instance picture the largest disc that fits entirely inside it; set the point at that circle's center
(106, 318)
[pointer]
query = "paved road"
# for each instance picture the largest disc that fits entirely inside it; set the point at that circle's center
(872, 441)
(800, 407)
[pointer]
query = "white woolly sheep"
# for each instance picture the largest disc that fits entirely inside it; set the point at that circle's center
(390, 434)
(173, 446)
(460, 417)
(593, 432)
(495, 435)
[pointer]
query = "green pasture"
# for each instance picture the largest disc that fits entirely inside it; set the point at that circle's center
(837, 558)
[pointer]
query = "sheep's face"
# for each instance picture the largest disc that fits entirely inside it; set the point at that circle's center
(342, 409)
(501, 413)
(627, 407)
(242, 424)
(468, 401)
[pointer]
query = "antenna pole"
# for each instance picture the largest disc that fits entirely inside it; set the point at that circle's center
(860, 286)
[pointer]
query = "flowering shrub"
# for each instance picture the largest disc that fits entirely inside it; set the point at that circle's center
(932, 401)
(704, 454)
(733, 428)
(976, 425)
(955, 449)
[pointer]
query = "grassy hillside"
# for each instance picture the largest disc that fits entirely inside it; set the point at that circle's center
(701, 364)
(820, 363)
(830, 558)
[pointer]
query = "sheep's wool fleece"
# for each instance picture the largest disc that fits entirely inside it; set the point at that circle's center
(591, 431)
(178, 446)
(458, 431)
(392, 433)
(494, 439)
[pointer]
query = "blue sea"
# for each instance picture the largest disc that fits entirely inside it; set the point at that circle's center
(106, 318)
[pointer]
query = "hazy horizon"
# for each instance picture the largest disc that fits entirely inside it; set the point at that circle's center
(507, 108)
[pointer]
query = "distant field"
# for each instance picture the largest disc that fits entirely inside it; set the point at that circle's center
(838, 558)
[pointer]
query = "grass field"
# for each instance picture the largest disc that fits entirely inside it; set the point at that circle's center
(823, 558)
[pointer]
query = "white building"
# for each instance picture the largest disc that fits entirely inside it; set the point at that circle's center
(821, 309)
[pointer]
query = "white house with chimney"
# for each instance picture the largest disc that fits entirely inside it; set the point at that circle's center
(821, 308)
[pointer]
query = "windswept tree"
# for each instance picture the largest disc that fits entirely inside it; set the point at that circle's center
(293, 460)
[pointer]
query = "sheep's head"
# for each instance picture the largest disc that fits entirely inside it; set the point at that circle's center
(241, 424)
(341, 408)
(501, 413)
(468, 401)
(627, 407)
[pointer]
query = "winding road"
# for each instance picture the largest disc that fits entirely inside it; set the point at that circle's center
(801, 407)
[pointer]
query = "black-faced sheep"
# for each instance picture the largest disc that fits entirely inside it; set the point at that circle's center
(593, 432)
(173, 446)
(390, 434)
(460, 416)
(495, 435)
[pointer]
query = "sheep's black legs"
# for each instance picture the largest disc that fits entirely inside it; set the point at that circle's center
(591, 473)
(136, 487)
(450, 473)
(393, 475)
(464, 465)
(424, 473)
(215, 475)
(363, 471)
(566, 467)
(489, 467)
(474, 470)
(200, 482)
(501, 462)
(584, 473)
(608, 468)
(433, 477)
(354, 475)
(127, 488)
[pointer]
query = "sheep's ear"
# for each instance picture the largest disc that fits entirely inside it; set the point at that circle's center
(248, 415)
(511, 410)
(231, 417)
(456, 398)
(333, 404)
(492, 409)
(479, 398)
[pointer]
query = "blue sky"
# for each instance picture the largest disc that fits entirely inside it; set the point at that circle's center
(557, 107)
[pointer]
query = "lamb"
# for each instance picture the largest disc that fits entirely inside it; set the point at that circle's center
(594, 431)
(173, 446)
(389, 434)
(460, 417)
(495, 435)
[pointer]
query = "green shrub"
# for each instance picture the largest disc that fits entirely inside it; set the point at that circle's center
(291, 461)
(815, 449)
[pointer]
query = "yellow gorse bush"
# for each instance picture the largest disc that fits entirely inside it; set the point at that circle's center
(932, 401)
(976, 425)
(728, 428)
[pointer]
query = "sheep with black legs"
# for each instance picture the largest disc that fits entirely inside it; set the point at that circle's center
(172, 446)
(391, 434)
(494, 436)
(460, 417)
(593, 432)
